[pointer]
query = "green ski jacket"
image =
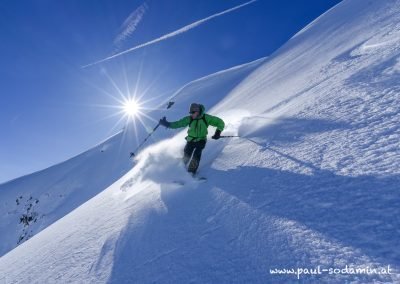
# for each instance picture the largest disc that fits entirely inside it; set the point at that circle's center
(198, 127)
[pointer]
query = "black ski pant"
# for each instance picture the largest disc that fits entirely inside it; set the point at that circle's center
(194, 148)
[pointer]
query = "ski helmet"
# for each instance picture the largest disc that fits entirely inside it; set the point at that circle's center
(194, 107)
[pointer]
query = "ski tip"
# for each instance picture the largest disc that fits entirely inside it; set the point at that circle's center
(200, 178)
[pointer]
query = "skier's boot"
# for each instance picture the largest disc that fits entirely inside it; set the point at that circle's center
(193, 165)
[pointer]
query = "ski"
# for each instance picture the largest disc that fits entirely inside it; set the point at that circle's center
(181, 182)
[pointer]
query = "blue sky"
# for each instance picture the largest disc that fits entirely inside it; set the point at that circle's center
(53, 109)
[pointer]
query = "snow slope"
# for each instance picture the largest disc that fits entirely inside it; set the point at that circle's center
(313, 182)
(31, 203)
(41, 198)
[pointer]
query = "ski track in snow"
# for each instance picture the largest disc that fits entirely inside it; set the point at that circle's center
(314, 182)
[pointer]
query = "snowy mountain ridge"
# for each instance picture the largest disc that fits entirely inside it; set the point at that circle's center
(312, 182)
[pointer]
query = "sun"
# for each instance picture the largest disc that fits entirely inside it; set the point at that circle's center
(131, 107)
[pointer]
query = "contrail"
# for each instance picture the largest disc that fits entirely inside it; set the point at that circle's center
(130, 25)
(172, 34)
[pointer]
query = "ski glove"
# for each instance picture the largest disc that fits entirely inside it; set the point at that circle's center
(164, 122)
(217, 134)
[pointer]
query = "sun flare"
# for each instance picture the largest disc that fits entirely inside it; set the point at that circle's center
(131, 108)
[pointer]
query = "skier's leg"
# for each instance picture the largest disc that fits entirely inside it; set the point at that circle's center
(187, 152)
(194, 163)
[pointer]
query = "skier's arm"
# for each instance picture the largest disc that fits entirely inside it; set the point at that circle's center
(216, 122)
(180, 123)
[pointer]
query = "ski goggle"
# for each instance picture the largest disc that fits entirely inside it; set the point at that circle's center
(193, 112)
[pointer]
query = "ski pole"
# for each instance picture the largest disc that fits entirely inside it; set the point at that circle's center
(144, 141)
(232, 136)
(229, 136)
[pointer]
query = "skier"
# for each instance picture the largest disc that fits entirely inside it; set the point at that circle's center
(198, 122)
